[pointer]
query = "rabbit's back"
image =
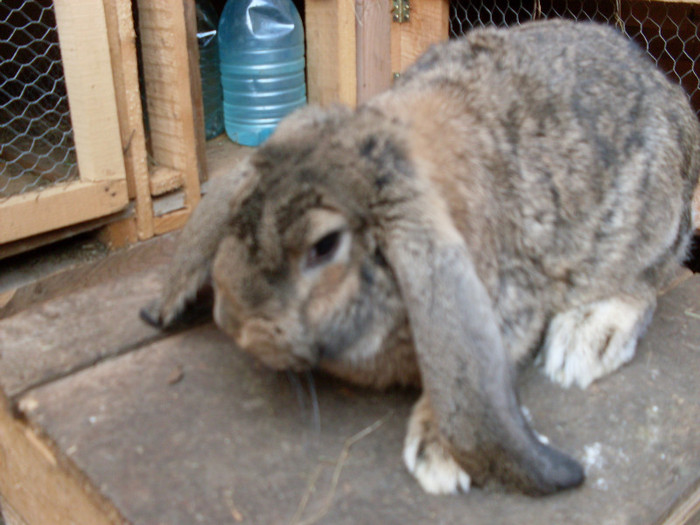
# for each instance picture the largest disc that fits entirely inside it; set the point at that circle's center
(567, 159)
(590, 154)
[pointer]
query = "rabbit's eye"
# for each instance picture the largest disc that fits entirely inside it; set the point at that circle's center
(324, 249)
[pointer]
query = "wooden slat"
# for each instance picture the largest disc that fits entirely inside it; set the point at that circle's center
(59, 206)
(429, 23)
(82, 34)
(9, 514)
(122, 39)
(331, 53)
(164, 179)
(171, 221)
(169, 80)
(696, 2)
(686, 510)
(373, 27)
(119, 233)
(30, 243)
(193, 187)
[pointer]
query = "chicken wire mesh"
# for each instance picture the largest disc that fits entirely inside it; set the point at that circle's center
(36, 137)
(668, 31)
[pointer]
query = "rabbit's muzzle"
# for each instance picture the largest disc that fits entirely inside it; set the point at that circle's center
(265, 339)
(270, 344)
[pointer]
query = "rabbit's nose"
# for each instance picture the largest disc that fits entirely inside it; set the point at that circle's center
(266, 341)
(252, 335)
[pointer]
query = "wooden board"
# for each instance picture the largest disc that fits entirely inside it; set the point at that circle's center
(172, 221)
(331, 62)
(82, 34)
(147, 255)
(60, 205)
(122, 45)
(192, 188)
(373, 28)
(39, 487)
(696, 2)
(37, 241)
(171, 86)
(164, 180)
(429, 23)
(187, 429)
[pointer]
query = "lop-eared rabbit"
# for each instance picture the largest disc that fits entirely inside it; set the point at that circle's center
(517, 191)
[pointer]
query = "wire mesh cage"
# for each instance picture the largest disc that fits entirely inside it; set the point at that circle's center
(668, 31)
(36, 137)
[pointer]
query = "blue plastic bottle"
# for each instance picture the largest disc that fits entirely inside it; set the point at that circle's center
(207, 23)
(261, 51)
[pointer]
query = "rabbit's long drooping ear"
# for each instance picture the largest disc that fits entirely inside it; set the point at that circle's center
(190, 270)
(465, 369)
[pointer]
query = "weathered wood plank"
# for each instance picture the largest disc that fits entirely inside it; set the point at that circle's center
(58, 206)
(40, 486)
(70, 332)
(123, 264)
(190, 428)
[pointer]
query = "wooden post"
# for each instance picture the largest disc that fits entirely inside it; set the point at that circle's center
(172, 86)
(373, 28)
(122, 39)
(331, 51)
(429, 23)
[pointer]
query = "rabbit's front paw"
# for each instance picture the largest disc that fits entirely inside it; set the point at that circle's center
(427, 458)
(588, 342)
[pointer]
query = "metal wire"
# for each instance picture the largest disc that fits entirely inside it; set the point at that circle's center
(668, 31)
(36, 137)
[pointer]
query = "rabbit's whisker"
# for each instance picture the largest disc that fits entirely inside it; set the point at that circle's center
(315, 410)
(306, 397)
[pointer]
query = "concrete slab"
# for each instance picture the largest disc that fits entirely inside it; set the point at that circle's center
(187, 429)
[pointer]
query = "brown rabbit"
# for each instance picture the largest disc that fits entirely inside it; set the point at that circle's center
(517, 190)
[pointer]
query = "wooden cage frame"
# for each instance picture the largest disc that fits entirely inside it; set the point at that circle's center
(354, 49)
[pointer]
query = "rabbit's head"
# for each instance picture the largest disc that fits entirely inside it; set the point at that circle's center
(324, 244)
(300, 277)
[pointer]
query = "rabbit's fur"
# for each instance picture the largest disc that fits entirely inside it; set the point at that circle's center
(516, 190)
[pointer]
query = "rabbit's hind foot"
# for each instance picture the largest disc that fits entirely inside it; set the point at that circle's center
(427, 458)
(594, 339)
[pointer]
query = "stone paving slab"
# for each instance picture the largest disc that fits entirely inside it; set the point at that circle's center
(186, 429)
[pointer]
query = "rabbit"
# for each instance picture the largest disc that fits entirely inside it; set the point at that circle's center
(517, 192)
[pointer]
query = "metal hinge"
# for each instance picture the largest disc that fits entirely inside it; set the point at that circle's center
(401, 11)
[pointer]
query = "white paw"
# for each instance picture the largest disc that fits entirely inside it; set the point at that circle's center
(433, 467)
(593, 340)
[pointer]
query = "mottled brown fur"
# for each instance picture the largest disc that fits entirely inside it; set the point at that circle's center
(514, 187)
